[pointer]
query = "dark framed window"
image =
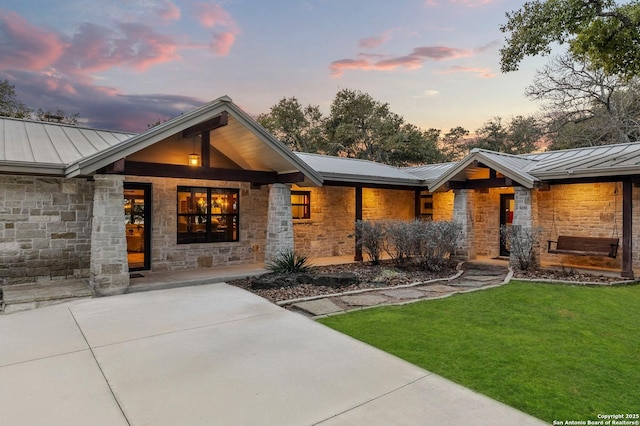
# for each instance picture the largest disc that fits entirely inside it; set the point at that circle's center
(426, 206)
(301, 204)
(207, 215)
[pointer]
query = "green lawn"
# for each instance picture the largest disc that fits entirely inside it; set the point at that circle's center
(556, 352)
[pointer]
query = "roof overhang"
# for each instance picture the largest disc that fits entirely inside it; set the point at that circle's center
(260, 142)
(24, 168)
(488, 159)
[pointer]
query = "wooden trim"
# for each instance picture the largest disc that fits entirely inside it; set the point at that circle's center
(481, 183)
(627, 228)
(358, 249)
(206, 126)
(137, 168)
(373, 185)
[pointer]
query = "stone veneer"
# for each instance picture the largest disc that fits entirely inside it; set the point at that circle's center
(45, 228)
(166, 254)
(279, 223)
(109, 270)
(589, 210)
(329, 231)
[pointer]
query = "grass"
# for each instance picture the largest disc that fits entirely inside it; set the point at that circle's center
(555, 352)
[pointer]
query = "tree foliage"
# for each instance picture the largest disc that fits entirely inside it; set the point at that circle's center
(519, 136)
(586, 106)
(453, 145)
(10, 106)
(598, 31)
(300, 128)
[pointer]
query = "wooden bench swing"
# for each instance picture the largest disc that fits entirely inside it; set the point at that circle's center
(584, 246)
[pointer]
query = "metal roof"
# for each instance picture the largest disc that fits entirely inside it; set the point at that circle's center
(47, 148)
(351, 170)
(429, 172)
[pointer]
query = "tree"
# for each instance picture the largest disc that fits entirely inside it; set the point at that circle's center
(453, 145)
(10, 106)
(518, 137)
(59, 116)
(585, 106)
(300, 128)
(598, 31)
(361, 127)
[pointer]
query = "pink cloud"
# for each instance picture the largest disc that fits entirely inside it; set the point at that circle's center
(25, 46)
(373, 42)
(96, 48)
(168, 11)
(412, 61)
(222, 42)
(212, 14)
(482, 72)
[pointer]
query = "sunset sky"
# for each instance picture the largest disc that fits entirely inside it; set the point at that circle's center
(124, 64)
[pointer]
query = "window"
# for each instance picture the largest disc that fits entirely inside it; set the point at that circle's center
(301, 204)
(426, 206)
(207, 215)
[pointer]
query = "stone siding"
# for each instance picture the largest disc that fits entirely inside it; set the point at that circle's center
(327, 232)
(586, 210)
(279, 222)
(166, 254)
(378, 204)
(45, 228)
(443, 206)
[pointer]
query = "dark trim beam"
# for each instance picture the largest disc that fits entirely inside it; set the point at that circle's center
(137, 168)
(358, 255)
(481, 183)
(627, 228)
(214, 123)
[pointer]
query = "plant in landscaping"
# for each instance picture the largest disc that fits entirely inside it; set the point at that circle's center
(523, 243)
(436, 242)
(399, 240)
(370, 239)
(289, 262)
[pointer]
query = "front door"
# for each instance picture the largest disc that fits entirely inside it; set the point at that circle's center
(507, 205)
(137, 211)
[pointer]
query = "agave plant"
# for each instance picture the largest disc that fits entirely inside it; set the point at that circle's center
(289, 262)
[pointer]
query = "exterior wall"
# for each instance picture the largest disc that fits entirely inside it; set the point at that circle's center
(636, 231)
(378, 204)
(443, 206)
(588, 210)
(45, 228)
(166, 254)
(332, 221)
(330, 230)
(486, 221)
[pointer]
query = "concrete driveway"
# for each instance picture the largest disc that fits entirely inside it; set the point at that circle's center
(213, 355)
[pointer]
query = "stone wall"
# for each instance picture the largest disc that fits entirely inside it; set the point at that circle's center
(587, 210)
(327, 232)
(166, 254)
(279, 222)
(45, 228)
(443, 206)
(330, 229)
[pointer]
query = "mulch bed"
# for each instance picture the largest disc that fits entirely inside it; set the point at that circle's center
(370, 277)
(388, 275)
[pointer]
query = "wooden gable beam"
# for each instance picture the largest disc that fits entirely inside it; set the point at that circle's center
(214, 123)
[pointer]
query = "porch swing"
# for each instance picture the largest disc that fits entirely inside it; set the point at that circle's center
(585, 246)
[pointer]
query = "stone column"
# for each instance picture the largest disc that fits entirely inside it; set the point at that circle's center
(279, 222)
(463, 215)
(524, 216)
(109, 270)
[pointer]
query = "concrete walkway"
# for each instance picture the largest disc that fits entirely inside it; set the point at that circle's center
(213, 355)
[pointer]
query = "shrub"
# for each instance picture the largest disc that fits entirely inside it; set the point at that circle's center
(523, 243)
(436, 242)
(289, 262)
(370, 239)
(399, 240)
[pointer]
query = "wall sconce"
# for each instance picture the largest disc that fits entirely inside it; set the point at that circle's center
(194, 159)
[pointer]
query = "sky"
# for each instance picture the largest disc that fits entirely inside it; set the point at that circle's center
(126, 64)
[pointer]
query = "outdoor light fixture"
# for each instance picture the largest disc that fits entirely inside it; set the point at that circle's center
(194, 159)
